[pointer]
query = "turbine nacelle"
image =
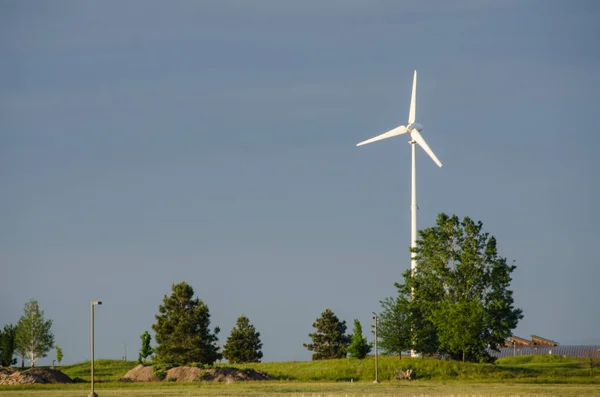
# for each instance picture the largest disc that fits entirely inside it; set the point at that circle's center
(414, 126)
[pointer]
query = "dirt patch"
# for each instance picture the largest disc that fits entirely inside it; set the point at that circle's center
(187, 374)
(194, 374)
(32, 375)
(49, 375)
(140, 374)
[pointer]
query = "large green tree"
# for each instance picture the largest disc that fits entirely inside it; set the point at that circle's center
(330, 340)
(243, 344)
(34, 337)
(359, 347)
(182, 329)
(460, 280)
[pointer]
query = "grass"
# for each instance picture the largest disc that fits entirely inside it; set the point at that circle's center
(523, 375)
(533, 369)
(289, 389)
(104, 370)
(540, 368)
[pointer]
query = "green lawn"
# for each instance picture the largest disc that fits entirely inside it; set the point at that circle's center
(533, 369)
(416, 388)
(513, 376)
(104, 370)
(540, 369)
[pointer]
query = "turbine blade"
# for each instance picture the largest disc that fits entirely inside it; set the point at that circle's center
(413, 102)
(419, 139)
(396, 131)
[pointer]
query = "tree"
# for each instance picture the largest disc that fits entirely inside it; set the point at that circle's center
(330, 340)
(8, 345)
(181, 328)
(21, 352)
(459, 327)
(395, 324)
(59, 354)
(359, 347)
(243, 344)
(146, 350)
(460, 279)
(34, 337)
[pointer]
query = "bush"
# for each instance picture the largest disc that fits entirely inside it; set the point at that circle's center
(159, 371)
(159, 374)
(199, 365)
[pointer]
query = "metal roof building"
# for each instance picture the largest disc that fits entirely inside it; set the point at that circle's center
(560, 350)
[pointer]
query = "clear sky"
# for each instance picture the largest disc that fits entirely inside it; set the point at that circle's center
(144, 143)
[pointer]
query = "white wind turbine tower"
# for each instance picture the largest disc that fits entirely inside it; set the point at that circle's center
(414, 129)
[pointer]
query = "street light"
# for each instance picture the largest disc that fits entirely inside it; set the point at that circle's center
(376, 354)
(94, 303)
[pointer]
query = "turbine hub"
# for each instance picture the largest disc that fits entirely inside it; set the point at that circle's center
(414, 126)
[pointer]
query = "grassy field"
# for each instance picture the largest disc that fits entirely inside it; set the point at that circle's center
(288, 389)
(513, 376)
(536, 369)
(104, 370)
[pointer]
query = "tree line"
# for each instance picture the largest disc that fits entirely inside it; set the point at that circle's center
(183, 335)
(457, 303)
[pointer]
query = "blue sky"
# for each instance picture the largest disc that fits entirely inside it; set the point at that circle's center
(144, 143)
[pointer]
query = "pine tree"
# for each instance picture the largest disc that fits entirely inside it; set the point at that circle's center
(359, 347)
(8, 345)
(243, 344)
(146, 349)
(182, 329)
(330, 340)
(34, 339)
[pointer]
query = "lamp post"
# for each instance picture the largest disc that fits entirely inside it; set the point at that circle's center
(94, 303)
(376, 353)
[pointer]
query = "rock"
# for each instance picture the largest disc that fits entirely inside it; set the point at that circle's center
(399, 374)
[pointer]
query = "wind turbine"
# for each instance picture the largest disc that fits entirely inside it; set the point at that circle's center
(414, 129)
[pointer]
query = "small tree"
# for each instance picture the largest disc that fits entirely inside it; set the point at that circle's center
(59, 354)
(243, 344)
(34, 337)
(592, 361)
(330, 340)
(359, 347)
(394, 328)
(8, 345)
(146, 350)
(182, 329)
